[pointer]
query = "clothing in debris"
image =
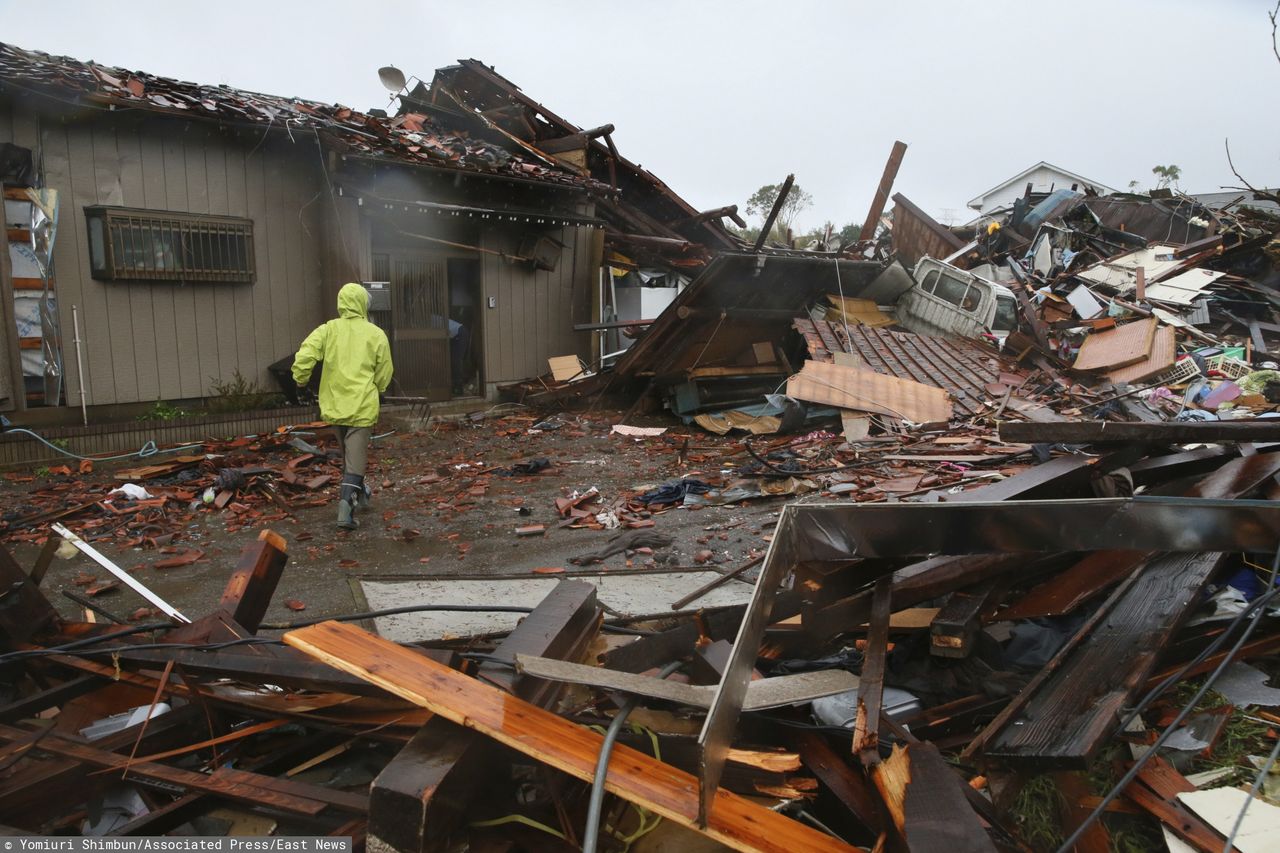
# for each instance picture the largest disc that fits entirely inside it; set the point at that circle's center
(671, 493)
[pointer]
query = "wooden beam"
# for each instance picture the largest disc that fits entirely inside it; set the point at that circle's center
(248, 592)
(891, 166)
(783, 192)
(636, 777)
(263, 791)
(1062, 721)
(846, 784)
(1173, 432)
(866, 726)
(952, 631)
(24, 610)
(422, 794)
(926, 805)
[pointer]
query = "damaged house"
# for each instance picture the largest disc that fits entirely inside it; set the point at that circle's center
(199, 232)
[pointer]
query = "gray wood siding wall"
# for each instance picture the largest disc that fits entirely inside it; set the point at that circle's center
(146, 341)
(536, 309)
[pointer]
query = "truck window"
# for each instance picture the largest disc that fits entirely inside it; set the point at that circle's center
(1006, 319)
(930, 279)
(954, 290)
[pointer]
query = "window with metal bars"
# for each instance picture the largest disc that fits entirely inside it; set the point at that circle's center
(126, 244)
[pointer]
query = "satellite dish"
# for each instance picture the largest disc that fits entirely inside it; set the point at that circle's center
(392, 78)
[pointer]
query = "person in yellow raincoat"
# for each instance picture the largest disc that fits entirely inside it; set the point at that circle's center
(357, 368)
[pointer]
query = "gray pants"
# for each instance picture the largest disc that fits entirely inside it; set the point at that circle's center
(355, 448)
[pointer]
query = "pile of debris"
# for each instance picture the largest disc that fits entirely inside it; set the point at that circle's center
(253, 479)
(905, 673)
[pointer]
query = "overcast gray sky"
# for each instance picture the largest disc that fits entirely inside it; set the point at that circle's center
(718, 98)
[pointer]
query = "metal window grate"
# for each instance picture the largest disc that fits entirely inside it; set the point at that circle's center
(126, 244)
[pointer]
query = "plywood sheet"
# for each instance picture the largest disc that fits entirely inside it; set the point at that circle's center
(1164, 351)
(564, 367)
(552, 740)
(1118, 347)
(858, 312)
(867, 391)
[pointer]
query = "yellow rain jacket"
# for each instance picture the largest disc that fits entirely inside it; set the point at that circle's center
(357, 362)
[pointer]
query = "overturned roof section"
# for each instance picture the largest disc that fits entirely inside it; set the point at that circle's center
(408, 138)
(647, 208)
(739, 299)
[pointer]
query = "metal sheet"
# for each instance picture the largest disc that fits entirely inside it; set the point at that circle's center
(722, 717)
(837, 532)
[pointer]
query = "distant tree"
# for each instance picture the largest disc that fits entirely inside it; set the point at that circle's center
(1166, 175)
(761, 202)
(1133, 186)
(849, 233)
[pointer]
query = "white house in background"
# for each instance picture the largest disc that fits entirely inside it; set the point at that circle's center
(1043, 177)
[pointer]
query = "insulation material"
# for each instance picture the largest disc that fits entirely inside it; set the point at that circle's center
(22, 260)
(1118, 347)
(1086, 305)
(1164, 351)
(1219, 807)
(867, 391)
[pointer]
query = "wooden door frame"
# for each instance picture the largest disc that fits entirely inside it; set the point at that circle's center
(13, 352)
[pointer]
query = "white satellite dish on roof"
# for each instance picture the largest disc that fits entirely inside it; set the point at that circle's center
(392, 78)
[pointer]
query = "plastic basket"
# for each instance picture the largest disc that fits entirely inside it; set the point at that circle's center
(1232, 368)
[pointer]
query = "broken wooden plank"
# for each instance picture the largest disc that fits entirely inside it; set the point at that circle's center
(261, 791)
(1064, 720)
(24, 611)
(846, 784)
(1081, 582)
(634, 776)
(248, 592)
(952, 631)
(866, 725)
(925, 803)
(868, 391)
(1172, 432)
(422, 794)
(762, 694)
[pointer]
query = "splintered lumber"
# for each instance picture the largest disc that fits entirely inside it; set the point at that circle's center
(1062, 721)
(634, 776)
(1092, 575)
(912, 585)
(248, 592)
(1156, 791)
(926, 804)
(1172, 432)
(1118, 347)
(868, 391)
(838, 776)
(242, 787)
(422, 794)
(762, 694)
(866, 725)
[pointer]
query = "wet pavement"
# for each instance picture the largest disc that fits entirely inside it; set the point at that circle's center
(441, 510)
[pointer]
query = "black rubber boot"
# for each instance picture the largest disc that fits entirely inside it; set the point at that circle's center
(348, 498)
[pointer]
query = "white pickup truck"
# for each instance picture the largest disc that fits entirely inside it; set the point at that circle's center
(946, 300)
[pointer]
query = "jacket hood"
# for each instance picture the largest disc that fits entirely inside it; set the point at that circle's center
(353, 301)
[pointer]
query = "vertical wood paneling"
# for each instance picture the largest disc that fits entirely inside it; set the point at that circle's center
(224, 299)
(264, 334)
(140, 297)
(199, 190)
(124, 343)
(155, 196)
(74, 146)
(6, 122)
(278, 283)
(184, 309)
(246, 351)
